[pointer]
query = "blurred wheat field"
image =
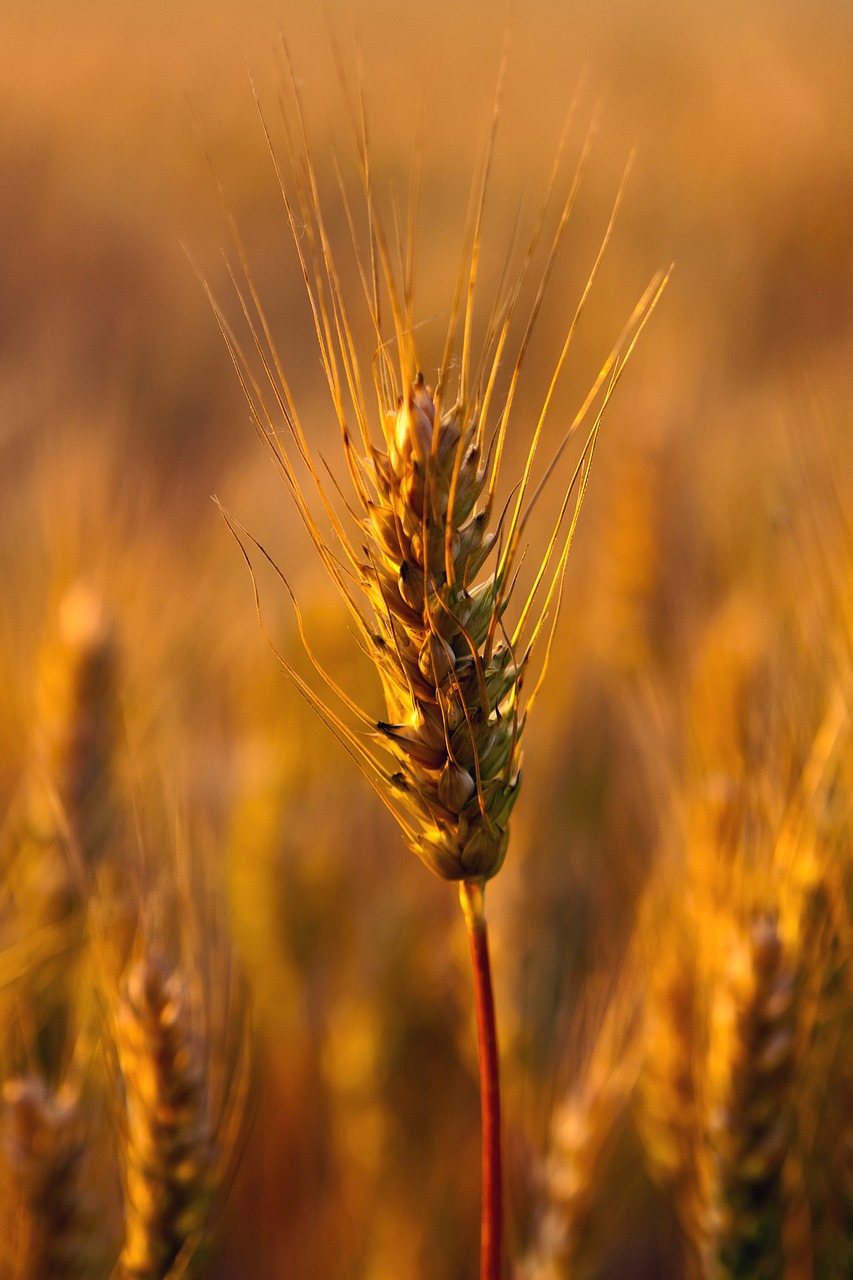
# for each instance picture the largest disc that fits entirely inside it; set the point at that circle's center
(181, 838)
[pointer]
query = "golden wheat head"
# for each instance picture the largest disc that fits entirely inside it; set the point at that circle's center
(411, 570)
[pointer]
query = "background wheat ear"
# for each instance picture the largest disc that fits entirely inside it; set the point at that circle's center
(752, 1129)
(182, 1050)
(593, 1169)
(63, 831)
(821, 1183)
(168, 1154)
(77, 719)
(45, 1146)
(669, 1109)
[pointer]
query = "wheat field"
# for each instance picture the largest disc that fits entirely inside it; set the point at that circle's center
(237, 1027)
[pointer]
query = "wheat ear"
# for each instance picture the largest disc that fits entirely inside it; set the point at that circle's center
(586, 1129)
(45, 1148)
(410, 569)
(167, 1150)
(64, 817)
(669, 1112)
(77, 722)
(753, 1131)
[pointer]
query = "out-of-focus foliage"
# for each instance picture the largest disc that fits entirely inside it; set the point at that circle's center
(687, 776)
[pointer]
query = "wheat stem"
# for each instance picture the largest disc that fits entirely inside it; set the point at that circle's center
(491, 1218)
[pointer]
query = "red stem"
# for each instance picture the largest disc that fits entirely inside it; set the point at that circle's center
(491, 1219)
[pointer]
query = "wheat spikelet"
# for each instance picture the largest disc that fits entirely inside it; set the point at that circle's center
(451, 666)
(45, 1149)
(754, 1128)
(168, 1159)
